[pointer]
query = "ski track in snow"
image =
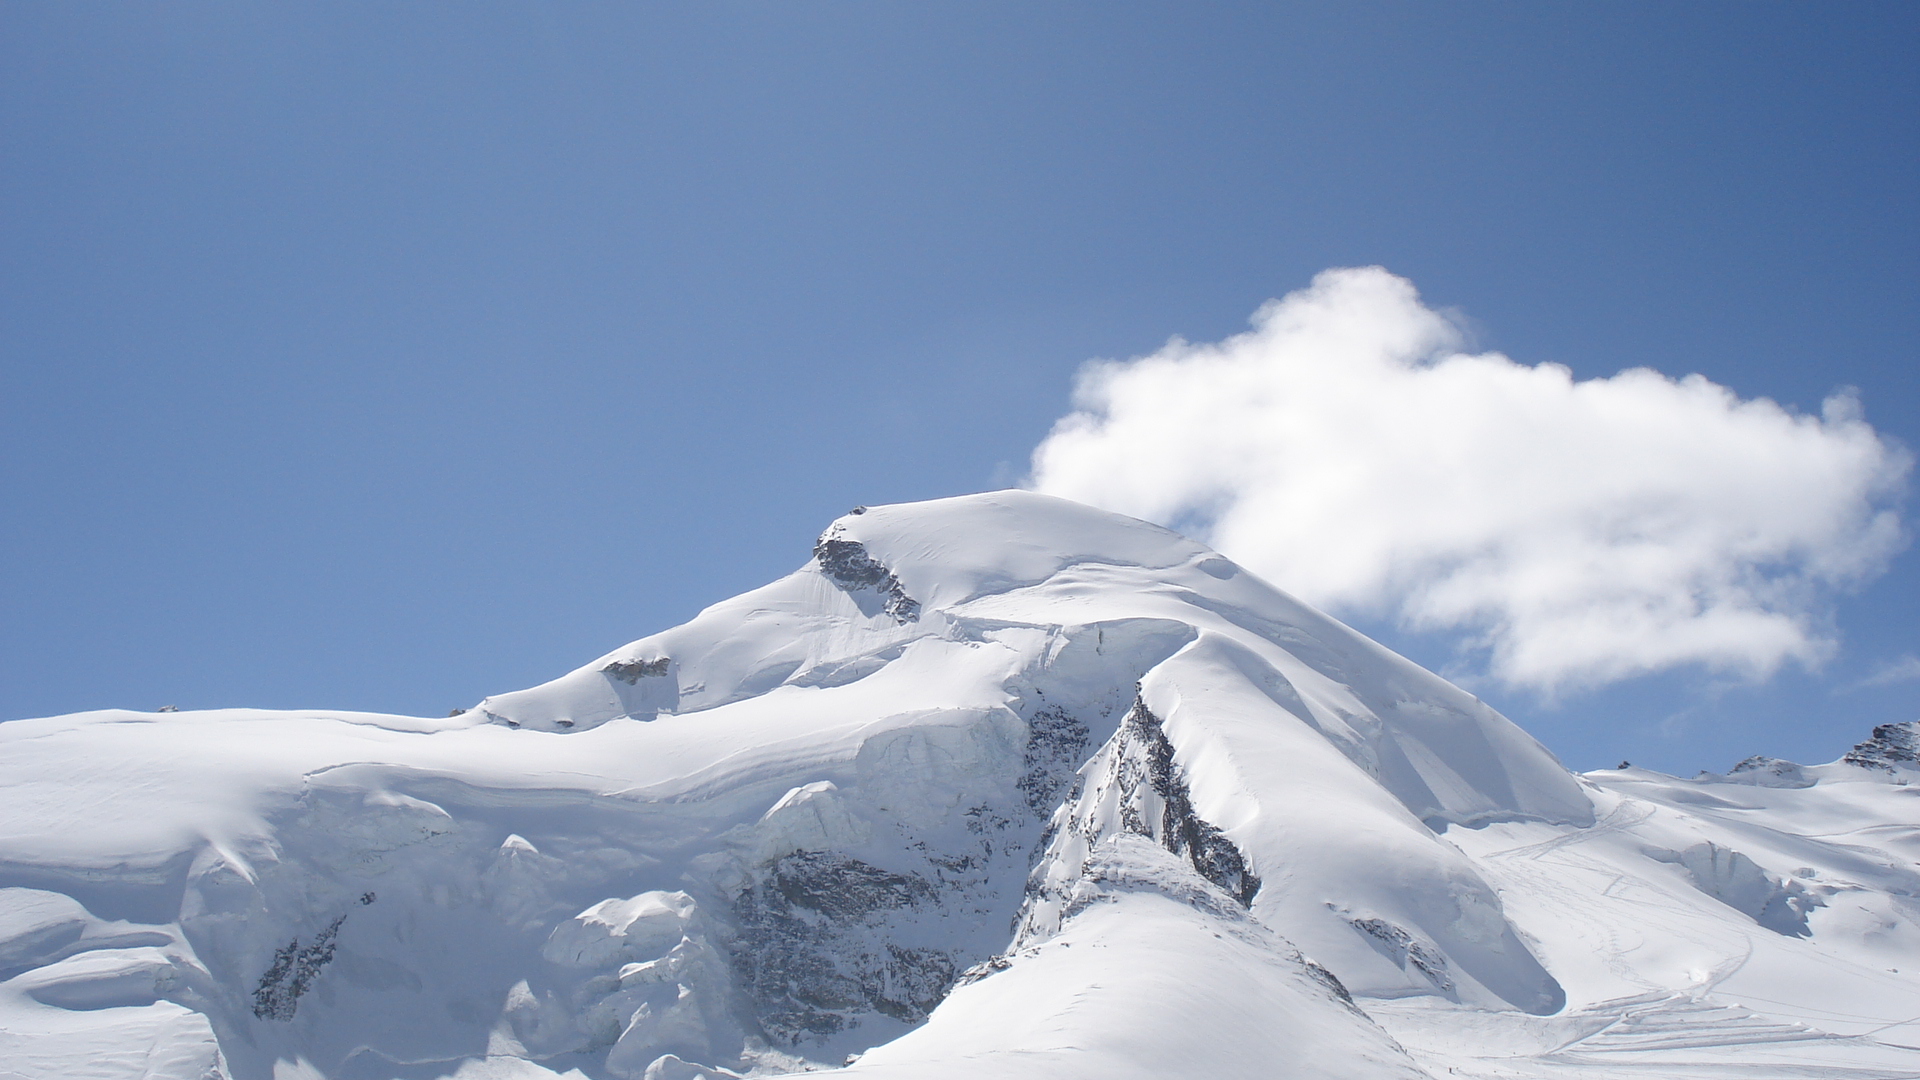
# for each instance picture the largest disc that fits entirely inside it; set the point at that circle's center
(994, 786)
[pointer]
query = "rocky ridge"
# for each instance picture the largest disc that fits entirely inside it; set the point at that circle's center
(979, 782)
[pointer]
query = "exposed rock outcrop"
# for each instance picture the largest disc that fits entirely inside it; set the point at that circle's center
(847, 564)
(1892, 746)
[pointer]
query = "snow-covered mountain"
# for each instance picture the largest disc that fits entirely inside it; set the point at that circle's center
(995, 786)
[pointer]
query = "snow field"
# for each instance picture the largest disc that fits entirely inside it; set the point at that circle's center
(997, 785)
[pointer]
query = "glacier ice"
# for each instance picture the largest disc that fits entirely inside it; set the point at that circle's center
(997, 785)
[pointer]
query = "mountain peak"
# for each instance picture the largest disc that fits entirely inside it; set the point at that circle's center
(991, 785)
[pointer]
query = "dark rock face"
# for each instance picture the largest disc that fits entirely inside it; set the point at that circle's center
(1762, 771)
(810, 955)
(292, 972)
(1056, 745)
(1331, 981)
(1892, 745)
(1407, 951)
(632, 671)
(1131, 788)
(1180, 829)
(848, 565)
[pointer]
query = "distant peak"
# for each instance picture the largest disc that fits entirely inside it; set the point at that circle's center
(1891, 745)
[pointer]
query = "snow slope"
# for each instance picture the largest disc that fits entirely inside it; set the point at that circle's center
(993, 786)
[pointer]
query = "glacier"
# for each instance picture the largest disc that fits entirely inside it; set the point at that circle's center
(992, 786)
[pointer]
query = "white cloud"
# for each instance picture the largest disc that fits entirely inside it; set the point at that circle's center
(1579, 532)
(1905, 669)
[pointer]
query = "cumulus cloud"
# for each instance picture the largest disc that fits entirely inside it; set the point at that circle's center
(1578, 532)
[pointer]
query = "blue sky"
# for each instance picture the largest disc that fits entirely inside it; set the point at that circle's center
(386, 356)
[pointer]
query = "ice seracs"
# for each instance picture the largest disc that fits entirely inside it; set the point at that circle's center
(991, 786)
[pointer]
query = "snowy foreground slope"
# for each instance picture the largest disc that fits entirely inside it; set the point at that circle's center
(996, 786)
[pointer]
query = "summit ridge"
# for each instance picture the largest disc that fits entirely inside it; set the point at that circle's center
(991, 785)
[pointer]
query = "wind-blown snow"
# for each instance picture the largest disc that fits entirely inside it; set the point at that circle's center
(993, 786)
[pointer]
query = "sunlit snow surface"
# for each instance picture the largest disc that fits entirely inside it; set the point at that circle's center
(997, 786)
